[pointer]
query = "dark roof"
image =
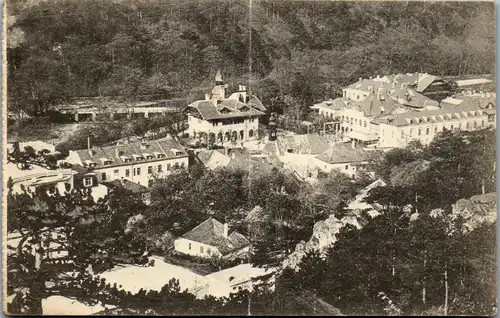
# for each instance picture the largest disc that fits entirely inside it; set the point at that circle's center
(373, 106)
(128, 185)
(211, 232)
(302, 144)
(211, 109)
(165, 146)
(344, 153)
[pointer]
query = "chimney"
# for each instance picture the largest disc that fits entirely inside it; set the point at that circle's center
(226, 229)
(353, 144)
(360, 79)
(378, 76)
(242, 88)
(207, 96)
(233, 155)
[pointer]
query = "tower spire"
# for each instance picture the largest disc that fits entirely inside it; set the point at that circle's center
(218, 78)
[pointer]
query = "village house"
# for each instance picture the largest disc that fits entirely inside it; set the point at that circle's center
(225, 119)
(137, 161)
(348, 158)
(212, 239)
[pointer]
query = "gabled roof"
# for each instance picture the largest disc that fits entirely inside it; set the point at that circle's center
(335, 104)
(373, 106)
(166, 146)
(304, 144)
(211, 232)
(211, 109)
(344, 153)
(213, 159)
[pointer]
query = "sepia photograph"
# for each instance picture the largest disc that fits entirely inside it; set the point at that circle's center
(249, 158)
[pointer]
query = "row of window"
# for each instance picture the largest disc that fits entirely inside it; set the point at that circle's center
(468, 125)
(137, 171)
(232, 121)
(209, 251)
(354, 121)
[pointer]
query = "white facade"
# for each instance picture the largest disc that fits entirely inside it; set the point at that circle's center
(425, 131)
(245, 128)
(193, 248)
(141, 173)
(348, 168)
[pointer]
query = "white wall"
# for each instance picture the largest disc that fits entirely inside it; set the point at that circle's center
(347, 168)
(182, 246)
(391, 136)
(144, 176)
(197, 125)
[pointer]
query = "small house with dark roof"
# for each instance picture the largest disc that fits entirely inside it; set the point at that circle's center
(136, 161)
(212, 238)
(348, 158)
(225, 120)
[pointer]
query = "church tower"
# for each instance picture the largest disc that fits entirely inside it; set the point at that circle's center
(219, 90)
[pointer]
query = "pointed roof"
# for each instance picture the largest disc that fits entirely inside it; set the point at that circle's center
(344, 153)
(211, 232)
(218, 76)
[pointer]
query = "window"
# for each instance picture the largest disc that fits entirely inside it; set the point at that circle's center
(189, 246)
(160, 167)
(182, 164)
(103, 176)
(364, 123)
(150, 169)
(435, 130)
(127, 173)
(209, 251)
(419, 131)
(411, 132)
(87, 181)
(451, 127)
(138, 171)
(460, 126)
(116, 172)
(168, 167)
(475, 124)
(346, 167)
(150, 183)
(427, 131)
(135, 172)
(482, 123)
(201, 249)
(468, 125)
(402, 133)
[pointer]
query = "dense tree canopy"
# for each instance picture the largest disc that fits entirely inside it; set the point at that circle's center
(300, 51)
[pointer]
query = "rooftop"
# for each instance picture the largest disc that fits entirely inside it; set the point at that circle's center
(211, 232)
(344, 153)
(228, 108)
(123, 154)
(471, 108)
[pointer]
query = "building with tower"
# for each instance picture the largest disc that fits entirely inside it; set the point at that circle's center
(225, 119)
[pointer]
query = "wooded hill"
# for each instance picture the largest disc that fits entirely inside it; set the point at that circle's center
(305, 50)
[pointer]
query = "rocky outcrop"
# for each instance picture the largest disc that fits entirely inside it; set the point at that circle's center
(476, 210)
(324, 235)
(325, 232)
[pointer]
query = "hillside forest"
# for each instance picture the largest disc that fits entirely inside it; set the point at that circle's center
(297, 51)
